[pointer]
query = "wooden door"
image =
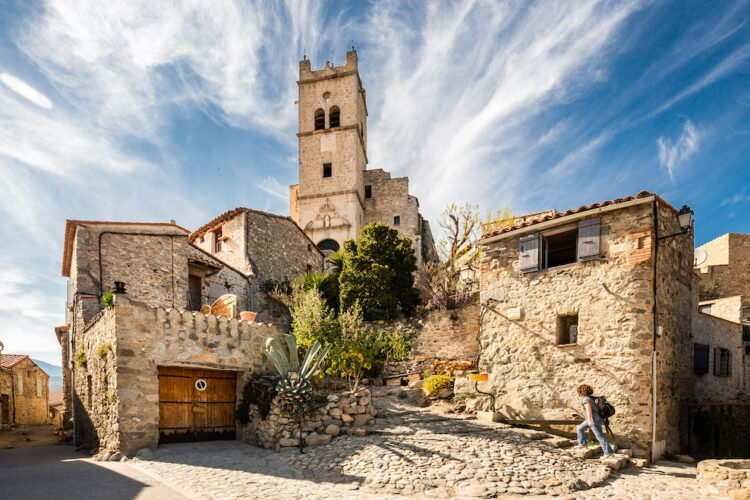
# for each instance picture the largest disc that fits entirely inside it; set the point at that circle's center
(196, 404)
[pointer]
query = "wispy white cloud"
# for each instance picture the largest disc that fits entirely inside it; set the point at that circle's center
(672, 153)
(129, 62)
(272, 186)
(499, 65)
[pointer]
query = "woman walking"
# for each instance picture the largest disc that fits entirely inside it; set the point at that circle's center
(592, 420)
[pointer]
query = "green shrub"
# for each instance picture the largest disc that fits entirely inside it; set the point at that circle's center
(434, 384)
(108, 300)
(81, 359)
(102, 350)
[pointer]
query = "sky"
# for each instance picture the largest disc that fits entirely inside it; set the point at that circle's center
(151, 111)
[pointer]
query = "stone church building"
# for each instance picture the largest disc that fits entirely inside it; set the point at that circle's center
(337, 196)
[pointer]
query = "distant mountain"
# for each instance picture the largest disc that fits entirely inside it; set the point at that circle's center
(54, 372)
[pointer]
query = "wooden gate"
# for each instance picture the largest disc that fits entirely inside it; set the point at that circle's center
(715, 430)
(196, 404)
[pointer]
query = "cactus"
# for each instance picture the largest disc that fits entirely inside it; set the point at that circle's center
(294, 385)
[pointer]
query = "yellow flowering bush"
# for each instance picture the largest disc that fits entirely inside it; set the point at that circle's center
(436, 383)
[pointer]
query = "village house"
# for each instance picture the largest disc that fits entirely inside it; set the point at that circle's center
(603, 295)
(24, 390)
(153, 368)
(337, 196)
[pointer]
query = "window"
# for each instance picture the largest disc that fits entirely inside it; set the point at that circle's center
(218, 235)
(567, 329)
(722, 365)
(700, 359)
(20, 385)
(39, 388)
(705, 309)
(327, 170)
(559, 248)
(320, 119)
(328, 245)
(309, 247)
(368, 191)
(334, 117)
(309, 269)
(397, 220)
(195, 292)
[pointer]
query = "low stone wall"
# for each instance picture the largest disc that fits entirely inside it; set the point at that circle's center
(344, 413)
(439, 335)
(730, 477)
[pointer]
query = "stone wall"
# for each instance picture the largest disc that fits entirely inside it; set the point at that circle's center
(728, 308)
(30, 405)
(674, 308)
(259, 244)
(438, 334)
(612, 296)
(96, 385)
(148, 337)
(390, 198)
(6, 405)
(727, 267)
(727, 478)
(717, 332)
(344, 413)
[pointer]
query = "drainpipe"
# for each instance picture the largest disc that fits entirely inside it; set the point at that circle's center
(655, 326)
(252, 293)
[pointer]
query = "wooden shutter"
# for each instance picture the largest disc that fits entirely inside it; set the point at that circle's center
(588, 239)
(700, 359)
(528, 255)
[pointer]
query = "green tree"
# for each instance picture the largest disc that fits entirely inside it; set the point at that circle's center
(378, 272)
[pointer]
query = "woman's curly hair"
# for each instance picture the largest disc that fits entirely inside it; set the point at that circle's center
(585, 390)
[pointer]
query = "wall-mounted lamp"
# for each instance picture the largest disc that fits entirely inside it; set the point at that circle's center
(685, 219)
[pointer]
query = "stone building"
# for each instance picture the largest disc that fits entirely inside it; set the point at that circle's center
(117, 360)
(24, 391)
(592, 296)
(262, 245)
(723, 266)
(337, 196)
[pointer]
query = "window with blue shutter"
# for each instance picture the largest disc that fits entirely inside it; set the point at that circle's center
(528, 254)
(588, 239)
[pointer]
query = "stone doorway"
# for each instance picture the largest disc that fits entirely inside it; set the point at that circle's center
(196, 404)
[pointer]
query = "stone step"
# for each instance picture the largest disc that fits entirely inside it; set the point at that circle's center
(616, 462)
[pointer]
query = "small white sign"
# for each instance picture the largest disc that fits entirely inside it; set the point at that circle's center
(200, 384)
(514, 313)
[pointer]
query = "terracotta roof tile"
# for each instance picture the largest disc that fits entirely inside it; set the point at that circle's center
(55, 398)
(11, 360)
(526, 222)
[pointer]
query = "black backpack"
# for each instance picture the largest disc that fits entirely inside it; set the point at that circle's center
(606, 410)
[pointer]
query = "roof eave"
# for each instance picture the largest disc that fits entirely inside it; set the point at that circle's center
(565, 219)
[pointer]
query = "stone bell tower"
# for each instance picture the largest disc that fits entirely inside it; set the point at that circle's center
(328, 202)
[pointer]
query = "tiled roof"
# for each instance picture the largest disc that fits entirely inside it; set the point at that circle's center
(11, 360)
(55, 398)
(70, 231)
(231, 214)
(526, 222)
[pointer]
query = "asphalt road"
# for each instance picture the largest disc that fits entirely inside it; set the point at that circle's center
(59, 472)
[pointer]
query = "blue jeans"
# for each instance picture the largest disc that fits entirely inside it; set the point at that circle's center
(597, 430)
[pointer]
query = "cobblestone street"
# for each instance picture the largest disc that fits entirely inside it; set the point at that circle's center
(413, 453)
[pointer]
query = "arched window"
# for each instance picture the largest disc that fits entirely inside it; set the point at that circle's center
(320, 119)
(328, 245)
(334, 116)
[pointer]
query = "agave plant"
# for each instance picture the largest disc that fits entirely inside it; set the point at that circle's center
(294, 386)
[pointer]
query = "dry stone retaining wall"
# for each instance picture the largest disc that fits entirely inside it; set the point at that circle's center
(730, 478)
(344, 413)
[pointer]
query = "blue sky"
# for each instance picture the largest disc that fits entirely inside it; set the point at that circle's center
(150, 111)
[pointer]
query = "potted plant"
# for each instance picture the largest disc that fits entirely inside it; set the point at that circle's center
(248, 316)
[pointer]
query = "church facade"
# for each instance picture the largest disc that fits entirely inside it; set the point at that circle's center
(337, 196)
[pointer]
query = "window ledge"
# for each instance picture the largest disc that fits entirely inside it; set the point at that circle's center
(566, 345)
(223, 238)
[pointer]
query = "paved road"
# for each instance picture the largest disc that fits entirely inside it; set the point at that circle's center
(58, 472)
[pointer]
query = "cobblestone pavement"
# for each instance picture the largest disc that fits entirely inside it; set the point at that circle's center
(413, 453)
